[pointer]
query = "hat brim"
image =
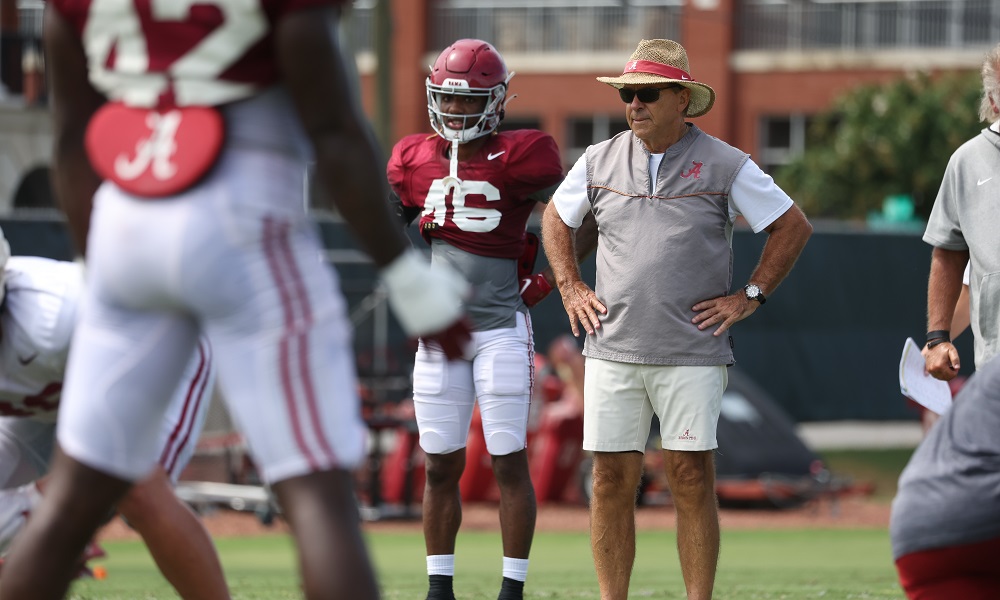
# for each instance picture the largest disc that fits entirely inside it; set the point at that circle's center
(702, 96)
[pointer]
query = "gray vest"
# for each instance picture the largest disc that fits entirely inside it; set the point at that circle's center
(658, 255)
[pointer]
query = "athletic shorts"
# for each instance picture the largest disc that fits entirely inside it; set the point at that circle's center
(968, 571)
(620, 399)
(236, 259)
(499, 376)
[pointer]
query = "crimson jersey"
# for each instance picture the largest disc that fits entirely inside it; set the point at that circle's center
(488, 214)
(180, 52)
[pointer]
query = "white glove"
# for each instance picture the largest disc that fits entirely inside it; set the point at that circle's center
(425, 300)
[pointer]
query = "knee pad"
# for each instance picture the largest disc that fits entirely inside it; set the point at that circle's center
(433, 442)
(503, 443)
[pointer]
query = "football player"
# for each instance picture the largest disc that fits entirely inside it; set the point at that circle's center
(182, 135)
(473, 189)
(40, 303)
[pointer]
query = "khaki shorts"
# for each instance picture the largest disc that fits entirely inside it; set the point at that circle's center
(621, 398)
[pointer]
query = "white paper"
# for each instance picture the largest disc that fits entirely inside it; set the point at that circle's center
(918, 385)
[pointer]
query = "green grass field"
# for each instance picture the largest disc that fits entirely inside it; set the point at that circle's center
(881, 467)
(763, 564)
(831, 564)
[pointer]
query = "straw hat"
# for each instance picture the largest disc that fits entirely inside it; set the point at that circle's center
(664, 61)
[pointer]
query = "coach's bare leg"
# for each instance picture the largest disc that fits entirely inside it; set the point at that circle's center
(517, 503)
(442, 505)
(176, 538)
(46, 555)
(612, 520)
(691, 476)
(323, 515)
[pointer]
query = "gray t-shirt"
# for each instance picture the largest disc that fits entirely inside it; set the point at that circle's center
(966, 216)
(949, 493)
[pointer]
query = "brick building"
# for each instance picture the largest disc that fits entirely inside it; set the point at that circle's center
(773, 63)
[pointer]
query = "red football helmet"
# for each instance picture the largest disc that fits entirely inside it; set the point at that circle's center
(468, 68)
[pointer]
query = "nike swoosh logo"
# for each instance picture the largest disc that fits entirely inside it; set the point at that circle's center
(491, 156)
(982, 181)
(27, 361)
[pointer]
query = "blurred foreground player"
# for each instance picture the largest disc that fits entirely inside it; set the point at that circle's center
(945, 523)
(37, 313)
(186, 127)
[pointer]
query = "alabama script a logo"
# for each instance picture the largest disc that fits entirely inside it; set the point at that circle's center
(694, 171)
(687, 436)
(156, 150)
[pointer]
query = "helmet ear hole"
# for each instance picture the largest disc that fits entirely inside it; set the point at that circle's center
(469, 67)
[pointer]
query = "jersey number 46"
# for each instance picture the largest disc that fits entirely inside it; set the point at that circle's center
(467, 218)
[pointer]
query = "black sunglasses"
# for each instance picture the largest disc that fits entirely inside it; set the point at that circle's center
(646, 95)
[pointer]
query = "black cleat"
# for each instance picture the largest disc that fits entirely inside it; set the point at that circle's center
(441, 588)
(511, 589)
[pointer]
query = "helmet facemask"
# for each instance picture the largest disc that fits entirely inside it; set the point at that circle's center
(475, 125)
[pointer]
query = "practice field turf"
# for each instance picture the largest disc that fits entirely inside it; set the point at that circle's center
(756, 564)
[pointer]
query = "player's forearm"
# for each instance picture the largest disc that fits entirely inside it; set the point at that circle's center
(75, 183)
(943, 287)
(74, 101)
(348, 162)
(348, 165)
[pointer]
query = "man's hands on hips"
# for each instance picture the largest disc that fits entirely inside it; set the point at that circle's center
(428, 301)
(582, 305)
(727, 310)
(942, 361)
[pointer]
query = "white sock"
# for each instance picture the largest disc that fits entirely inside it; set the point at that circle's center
(441, 564)
(515, 568)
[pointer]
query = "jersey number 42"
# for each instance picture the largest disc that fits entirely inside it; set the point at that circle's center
(115, 26)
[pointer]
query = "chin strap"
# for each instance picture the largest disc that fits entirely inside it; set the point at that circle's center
(452, 181)
(453, 171)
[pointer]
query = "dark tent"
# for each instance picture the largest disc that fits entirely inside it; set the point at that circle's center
(761, 461)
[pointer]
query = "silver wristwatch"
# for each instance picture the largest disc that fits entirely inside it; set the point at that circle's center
(753, 293)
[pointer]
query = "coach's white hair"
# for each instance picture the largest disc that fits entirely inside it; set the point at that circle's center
(989, 107)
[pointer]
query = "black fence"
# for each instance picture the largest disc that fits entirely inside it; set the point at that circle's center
(825, 347)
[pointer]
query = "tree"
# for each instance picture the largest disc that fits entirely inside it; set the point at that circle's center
(884, 140)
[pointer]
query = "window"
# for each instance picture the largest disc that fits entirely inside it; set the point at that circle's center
(782, 138)
(584, 131)
(512, 123)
